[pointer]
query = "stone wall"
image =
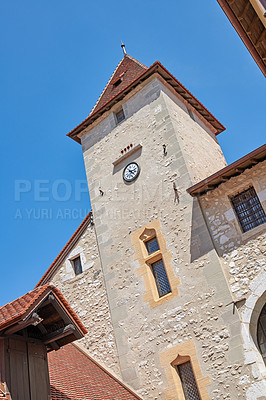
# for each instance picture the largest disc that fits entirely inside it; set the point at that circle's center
(202, 153)
(86, 294)
(199, 313)
(243, 256)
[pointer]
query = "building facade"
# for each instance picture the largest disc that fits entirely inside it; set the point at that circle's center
(168, 278)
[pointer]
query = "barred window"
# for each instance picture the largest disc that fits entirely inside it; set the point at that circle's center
(188, 381)
(77, 265)
(152, 245)
(161, 278)
(261, 333)
(248, 209)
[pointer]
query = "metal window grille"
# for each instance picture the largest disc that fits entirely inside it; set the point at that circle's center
(188, 381)
(248, 209)
(161, 278)
(120, 116)
(152, 245)
(261, 333)
(77, 265)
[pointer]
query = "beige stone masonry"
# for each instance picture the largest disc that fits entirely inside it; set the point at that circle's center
(86, 294)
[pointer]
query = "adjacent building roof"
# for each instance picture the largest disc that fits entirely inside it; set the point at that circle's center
(246, 20)
(128, 75)
(234, 169)
(19, 309)
(63, 253)
(76, 376)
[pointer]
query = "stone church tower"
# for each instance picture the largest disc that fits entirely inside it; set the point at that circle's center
(173, 315)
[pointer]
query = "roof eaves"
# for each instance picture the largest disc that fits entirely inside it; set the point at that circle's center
(243, 35)
(233, 169)
(38, 296)
(76, 235)
(68, 309)
(166, 75)
(30, 307)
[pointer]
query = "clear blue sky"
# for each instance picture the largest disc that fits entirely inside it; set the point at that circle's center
(56, 57)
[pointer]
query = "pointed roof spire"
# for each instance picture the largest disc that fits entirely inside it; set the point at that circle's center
(125, 73)
(123, 48)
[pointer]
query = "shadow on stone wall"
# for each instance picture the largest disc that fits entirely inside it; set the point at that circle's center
(200, 241)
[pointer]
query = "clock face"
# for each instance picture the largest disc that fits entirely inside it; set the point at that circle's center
(131, 172)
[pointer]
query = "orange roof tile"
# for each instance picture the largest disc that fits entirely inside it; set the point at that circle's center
(75, 376)
(127, 71)
(20, 308)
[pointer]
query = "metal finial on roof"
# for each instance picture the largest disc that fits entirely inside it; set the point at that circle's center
(124, 48)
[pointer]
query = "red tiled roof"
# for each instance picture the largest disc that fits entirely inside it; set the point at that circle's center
(75, 376)
(111, 95)
(20, 308)
(127, 70)
(76, 235)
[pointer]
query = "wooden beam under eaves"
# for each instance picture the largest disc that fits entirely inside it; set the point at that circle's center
(58, 334)
(244, 11)
(253, 22)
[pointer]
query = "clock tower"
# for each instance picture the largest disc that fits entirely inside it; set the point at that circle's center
(146, 141)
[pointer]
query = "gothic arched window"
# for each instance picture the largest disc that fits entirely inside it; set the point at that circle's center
(261, 332)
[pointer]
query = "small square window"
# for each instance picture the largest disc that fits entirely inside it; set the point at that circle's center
(161, 279)
(117, 82)
(152, 245)
(76, 262)
(248, 209)
(120, 116)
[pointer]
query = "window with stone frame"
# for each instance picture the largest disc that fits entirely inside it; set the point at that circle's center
(77, 266)
(157, 267)
(119, 116)
(248, 209)
(261, 333)
(184, 369)
(161, 278)
(188, 381)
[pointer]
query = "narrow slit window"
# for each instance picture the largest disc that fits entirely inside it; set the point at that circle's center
(188, 381)
(77, 265)
(248, 209)
(120, 116)
(161, 278)
(152, 245)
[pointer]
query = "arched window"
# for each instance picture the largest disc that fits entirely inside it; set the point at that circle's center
(261, 332)
(184, 369)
